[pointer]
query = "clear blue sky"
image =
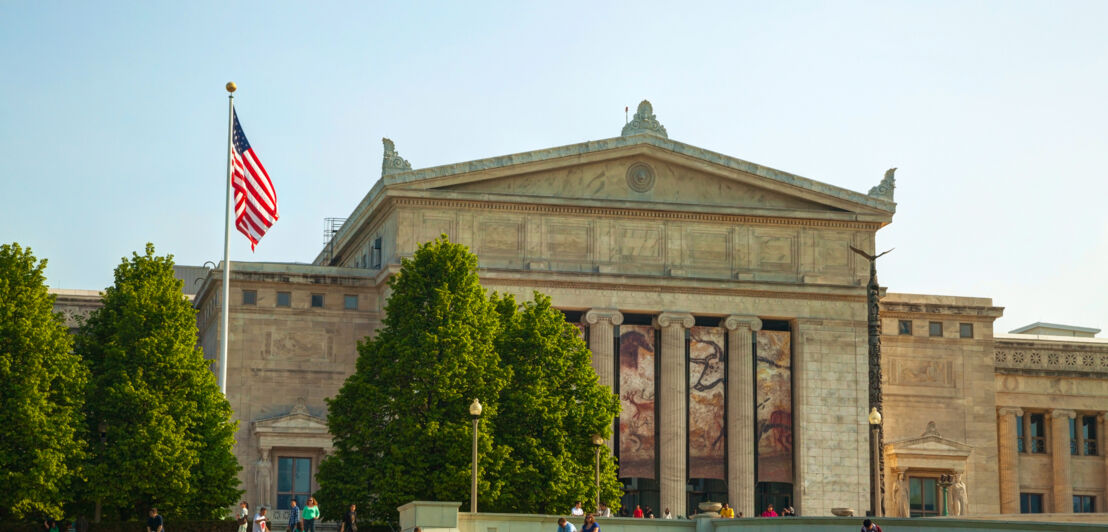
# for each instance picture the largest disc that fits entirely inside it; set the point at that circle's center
(113, 119)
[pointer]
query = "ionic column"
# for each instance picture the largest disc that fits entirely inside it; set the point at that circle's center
(601, 322)
(672, 421)
(1008, 460)
(1060, 459)
(740, 411)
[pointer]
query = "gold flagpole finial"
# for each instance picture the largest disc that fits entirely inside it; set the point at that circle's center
(231, 86)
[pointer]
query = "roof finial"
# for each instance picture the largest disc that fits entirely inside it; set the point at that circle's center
(645, 122)
(884, 190)
(393, 163)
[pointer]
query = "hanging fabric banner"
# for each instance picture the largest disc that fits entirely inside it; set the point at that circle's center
(706, 414)
(774, 410)
(636, 395)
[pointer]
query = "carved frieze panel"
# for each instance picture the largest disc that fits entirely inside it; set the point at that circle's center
(305, 344)
(639, 242)
(499, 236)
(707, 247)
(1051, 360)
(921, 372)
(566, 239)
(775, 250)
(431, 226)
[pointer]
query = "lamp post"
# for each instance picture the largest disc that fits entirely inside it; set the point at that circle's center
(597, 441)
(875, 475)
(475, 413)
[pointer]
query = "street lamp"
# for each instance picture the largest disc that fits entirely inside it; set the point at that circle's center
(475, 412)
(945, 481)
(597, 441)
(875, 474)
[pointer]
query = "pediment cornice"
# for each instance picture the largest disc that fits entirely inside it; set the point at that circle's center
(930, 443)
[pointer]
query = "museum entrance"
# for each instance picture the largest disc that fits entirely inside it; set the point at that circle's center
(642, 492)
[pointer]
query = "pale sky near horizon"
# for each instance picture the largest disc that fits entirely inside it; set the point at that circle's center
(113, 119)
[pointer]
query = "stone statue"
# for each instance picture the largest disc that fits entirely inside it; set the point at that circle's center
(262, 471)
(644, 122)
(884, 190)
(393, 163)
(959, 501)
(900, 496)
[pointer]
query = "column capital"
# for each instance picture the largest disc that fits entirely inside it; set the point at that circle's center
(1010, 411)
(1102, 417)
(1063, 413)
(674, 319)
(736, 321)
(597, 315)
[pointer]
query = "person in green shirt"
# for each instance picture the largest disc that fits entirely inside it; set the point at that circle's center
(309, 515)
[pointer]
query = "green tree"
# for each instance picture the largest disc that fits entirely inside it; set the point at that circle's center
(41, 394)
(549, 412)
(400, 423)
(166, 429)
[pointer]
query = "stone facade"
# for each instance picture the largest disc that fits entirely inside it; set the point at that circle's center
(642, 230)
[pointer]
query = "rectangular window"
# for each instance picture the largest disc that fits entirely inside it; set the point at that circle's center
(317, 300)
(249, 297)
(1088, 435)
(1031, 503)
(1036, 429)
(935, 328)
(376, 256)
(1084, 504)
(905, 328)
(294, 481)
(965, 330)
(350, 302)
(923, 496)
(1020, 433)
(284, 299)
(1073, 436)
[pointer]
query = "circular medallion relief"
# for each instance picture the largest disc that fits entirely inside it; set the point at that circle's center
(640, 177)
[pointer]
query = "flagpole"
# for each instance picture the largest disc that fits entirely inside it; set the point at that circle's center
(224, 314)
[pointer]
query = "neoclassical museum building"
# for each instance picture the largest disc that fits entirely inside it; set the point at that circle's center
(723, 303)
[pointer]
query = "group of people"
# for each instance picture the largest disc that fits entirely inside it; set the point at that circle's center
(729, 512)
(300, 520)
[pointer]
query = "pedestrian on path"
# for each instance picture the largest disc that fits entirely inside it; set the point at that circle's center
(309, 515)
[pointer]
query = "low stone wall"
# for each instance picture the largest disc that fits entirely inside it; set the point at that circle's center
(445, 517)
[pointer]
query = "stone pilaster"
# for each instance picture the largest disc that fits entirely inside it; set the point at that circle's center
(1008, 459)
(673, 396)
(740, 411)
(1060, 460)
(1102, 449)
(601, 323)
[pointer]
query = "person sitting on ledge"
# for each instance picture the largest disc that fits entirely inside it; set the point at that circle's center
(870, 526)
(769, 512)
(727, 512)
(565, 526)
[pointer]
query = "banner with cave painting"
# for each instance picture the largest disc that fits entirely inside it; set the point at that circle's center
(706, 414)
(774, 408)
(636, 395)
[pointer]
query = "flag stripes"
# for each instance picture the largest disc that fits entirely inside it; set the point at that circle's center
(255, 199)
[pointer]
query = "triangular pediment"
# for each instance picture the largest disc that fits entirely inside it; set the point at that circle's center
(642, 179)
(929, 443)
(290, 423)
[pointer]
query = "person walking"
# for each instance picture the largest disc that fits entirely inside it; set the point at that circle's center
(727, 512)
(294, 517)
(243, 516)
(261, 522)
(870, 526)
(349, 520)
(590, 524)
(308, 515)
(565, 526)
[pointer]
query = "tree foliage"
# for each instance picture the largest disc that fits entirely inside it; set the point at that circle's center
(167, 431)
(400, 423)
(41, 393)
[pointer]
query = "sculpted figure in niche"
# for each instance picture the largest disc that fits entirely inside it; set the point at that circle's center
(262, 471)
(899, 501)
(959, 500)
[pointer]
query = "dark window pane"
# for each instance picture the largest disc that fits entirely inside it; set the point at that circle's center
(965, 330)
(915, 491)
(929, 494)
(1073, 436)
(905, 327)
(283, 501)
(284, 299)
(1019, 435)
(350, 302)
(1031, 503)
(935, 328)
(317, 300)
(1037, 425)
(284, 474)
(249, 297)
(303, 479)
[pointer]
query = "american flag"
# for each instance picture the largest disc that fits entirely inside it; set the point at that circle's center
(255, 199)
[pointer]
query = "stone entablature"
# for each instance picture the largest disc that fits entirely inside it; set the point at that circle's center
(75, 305)
(1047, 355)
